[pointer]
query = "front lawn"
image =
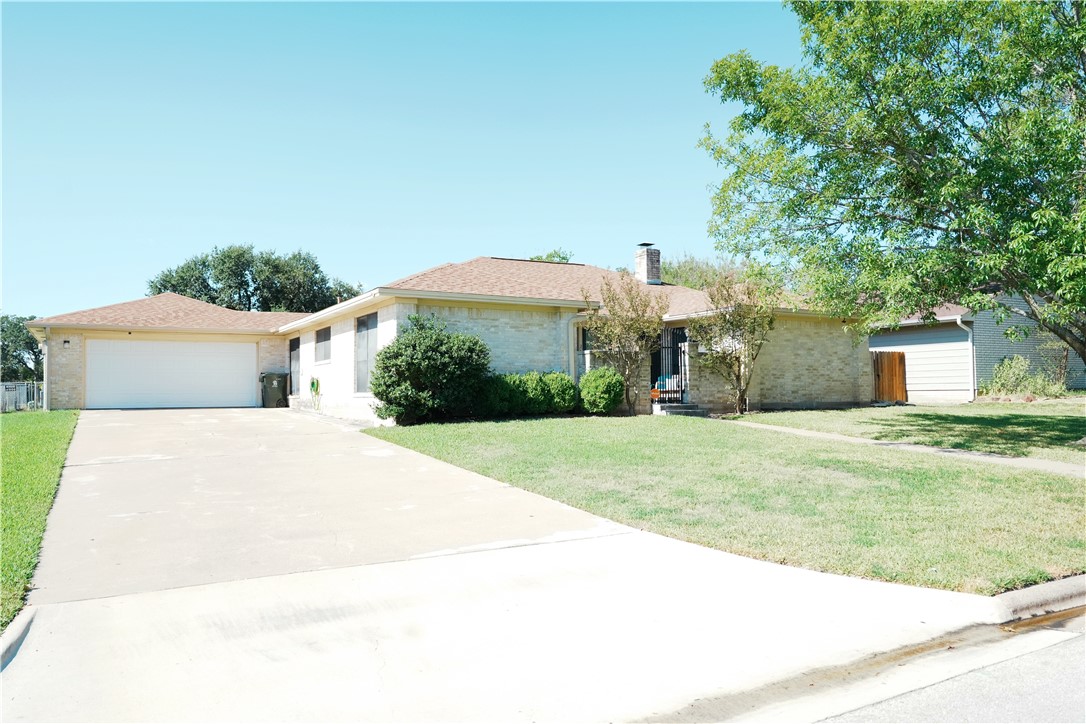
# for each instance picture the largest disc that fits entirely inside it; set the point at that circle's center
(31, 456)
(1039, 429)
(839, 507)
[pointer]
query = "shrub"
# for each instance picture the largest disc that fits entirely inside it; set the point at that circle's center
(537, 396)
(602, 390)
(1012, 377)
(428, 373)
(563, 391)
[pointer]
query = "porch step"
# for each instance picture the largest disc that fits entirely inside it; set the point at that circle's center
(677, 409)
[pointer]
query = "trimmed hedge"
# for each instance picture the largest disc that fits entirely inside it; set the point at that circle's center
(527, 395)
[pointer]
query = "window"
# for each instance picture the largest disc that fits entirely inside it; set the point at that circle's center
(365, 350)
(295, 346)
(586, 339)
(324, 344)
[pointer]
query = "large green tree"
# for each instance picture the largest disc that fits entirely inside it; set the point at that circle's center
(236, 277)
(924, 153)
(694, 272)
(20, 356)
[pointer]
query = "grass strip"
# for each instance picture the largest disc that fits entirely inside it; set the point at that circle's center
(32, 452)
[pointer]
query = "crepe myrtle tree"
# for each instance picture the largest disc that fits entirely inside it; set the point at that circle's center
(731, 335)
(922, 154)
(626, 329)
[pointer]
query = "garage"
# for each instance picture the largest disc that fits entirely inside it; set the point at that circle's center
(124, 373)
(938, 361)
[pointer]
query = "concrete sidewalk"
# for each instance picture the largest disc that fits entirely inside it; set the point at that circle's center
(431, 593)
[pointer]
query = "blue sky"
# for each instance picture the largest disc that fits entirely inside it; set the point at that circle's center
(383, 138)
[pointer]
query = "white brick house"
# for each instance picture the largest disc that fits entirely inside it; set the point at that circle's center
(528, 312)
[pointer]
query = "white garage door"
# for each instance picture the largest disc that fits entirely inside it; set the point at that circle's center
(938, 361)
(123, 373)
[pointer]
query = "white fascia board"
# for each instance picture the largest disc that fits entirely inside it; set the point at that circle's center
(388, 293)
(489, 298)
(171, 330)
(362, 300)
(778, 310)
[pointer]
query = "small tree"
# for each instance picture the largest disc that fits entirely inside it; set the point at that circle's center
(626, 330)
(733, 333)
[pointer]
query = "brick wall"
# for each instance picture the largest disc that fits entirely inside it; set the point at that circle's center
(519, 340)
(811, 362)
(271, 355)
(64, 371)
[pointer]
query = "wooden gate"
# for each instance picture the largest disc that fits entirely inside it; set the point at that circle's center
(889, 368)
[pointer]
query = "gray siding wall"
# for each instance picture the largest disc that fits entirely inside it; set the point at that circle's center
(992, 346)
(937, 361)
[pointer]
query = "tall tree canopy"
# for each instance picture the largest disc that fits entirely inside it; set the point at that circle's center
(559, 255)
(20, 356)
(236, 277)
(924, 153)
(696, 273)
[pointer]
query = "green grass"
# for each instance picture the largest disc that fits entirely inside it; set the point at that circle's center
(31, 456)
(1039, 429)
(877, 513)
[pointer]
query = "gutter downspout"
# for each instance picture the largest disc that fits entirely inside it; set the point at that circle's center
(972, 359)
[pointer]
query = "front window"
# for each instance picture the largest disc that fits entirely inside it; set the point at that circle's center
(365, 351)
(324, 344)
(295, 364)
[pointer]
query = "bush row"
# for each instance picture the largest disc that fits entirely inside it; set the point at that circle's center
(429, 374)
(552, 393)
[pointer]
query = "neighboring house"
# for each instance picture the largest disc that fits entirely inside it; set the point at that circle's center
(947, 361)
(530, 314)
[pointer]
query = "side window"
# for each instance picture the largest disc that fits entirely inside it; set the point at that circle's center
(324, 344)
(365, 350)
(295, 346)
(586, 339)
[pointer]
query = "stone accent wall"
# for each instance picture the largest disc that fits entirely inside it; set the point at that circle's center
(810, 362)
(272, 355)
(520, 340)
(65, 371)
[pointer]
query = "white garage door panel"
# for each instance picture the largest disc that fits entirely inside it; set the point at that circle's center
(124, 373)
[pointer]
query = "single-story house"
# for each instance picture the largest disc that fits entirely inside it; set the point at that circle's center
(950, 359)
(171, 351)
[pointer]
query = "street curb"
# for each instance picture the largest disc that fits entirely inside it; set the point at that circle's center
(14, 634)
(1045, 598)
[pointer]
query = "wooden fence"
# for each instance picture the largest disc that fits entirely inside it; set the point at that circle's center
(889, 368)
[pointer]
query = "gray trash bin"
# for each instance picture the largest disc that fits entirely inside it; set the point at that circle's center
(273, 389)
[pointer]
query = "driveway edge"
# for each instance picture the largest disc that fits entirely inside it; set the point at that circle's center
(1050, 597)
(14, 634)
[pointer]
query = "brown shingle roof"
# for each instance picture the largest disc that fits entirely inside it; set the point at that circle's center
(170, 311)
(492, 276)
(947, 311)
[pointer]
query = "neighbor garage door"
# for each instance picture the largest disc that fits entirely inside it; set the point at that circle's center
(123, 373)
(938, 361)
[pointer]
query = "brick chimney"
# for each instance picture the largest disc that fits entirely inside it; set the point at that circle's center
(647, 264)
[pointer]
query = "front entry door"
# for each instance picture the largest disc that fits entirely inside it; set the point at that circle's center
(668, 368)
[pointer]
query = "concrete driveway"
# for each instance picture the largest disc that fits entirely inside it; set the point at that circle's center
(263, 565)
